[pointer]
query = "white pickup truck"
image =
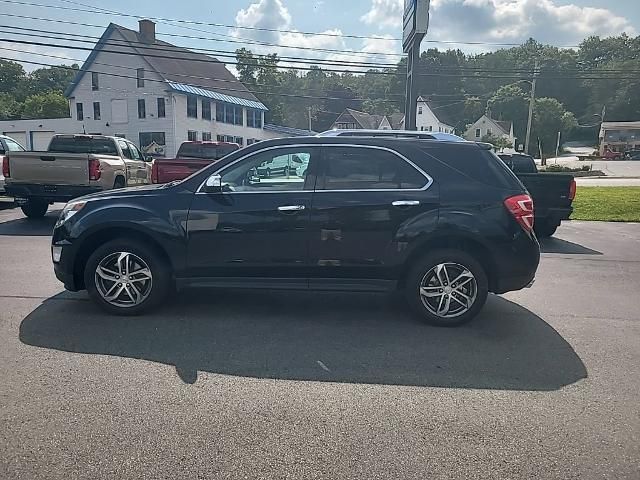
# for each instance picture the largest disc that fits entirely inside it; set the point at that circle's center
(74, 165)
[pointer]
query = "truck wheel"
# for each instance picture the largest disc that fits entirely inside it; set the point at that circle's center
(119, 183)
(545, 229)
(35, 208)
(127, 277)
(447, 288)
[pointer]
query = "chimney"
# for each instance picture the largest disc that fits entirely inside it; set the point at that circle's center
(147, 31)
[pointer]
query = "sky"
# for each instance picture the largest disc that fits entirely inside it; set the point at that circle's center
(472, 25)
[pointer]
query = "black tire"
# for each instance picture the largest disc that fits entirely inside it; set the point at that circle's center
(119, 183)
(161, 285)
(35, 208)
(545, 229)
(424, 265)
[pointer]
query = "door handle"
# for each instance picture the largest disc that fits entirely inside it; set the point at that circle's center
(405, 203)
(291, 208)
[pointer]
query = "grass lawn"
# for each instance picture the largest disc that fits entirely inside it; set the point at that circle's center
(611, 204)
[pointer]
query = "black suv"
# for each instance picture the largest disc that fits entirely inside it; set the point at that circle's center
(446, 222)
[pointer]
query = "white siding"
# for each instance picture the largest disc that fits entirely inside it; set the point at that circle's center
(117, 85)
(427, 121)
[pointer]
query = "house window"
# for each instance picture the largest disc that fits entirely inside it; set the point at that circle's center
(140, 77)
(206, 136)
(422, 128)
(79, 112)
(192, 136)
(94, 81)
(142, 109)
(161, 108)
(206, 109)
(431, 128)
(192, 106)
(254, 118)
(239, 140)
(227, 113)
(96, 110)
(478, 134)
(489, 132)
(419, 110)
(220, 138)
(249, 141)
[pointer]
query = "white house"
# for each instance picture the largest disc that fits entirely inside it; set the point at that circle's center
(487, 126)
(155, 94)
(428, 120)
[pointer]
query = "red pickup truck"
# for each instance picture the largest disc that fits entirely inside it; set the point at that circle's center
(191, 157)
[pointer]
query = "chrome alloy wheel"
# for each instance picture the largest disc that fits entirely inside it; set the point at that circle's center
(448, 290)
(123, 279)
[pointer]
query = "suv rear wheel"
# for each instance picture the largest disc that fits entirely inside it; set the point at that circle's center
(126, 277)
(447, 288)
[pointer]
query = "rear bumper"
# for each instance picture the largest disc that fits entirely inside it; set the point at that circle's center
(555, 215)
(49, 193)
(515, 264)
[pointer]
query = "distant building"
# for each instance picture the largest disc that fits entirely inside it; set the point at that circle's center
(430, 118)
(154, 93)
(619, 136)
(354, 119)
(487, 126)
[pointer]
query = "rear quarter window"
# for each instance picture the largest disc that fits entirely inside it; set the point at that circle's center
(476, 163)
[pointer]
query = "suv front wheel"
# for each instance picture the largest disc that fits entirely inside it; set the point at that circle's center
(126, 277)
(447, 288)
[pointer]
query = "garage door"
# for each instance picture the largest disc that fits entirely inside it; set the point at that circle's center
(41, 140)
(20, 137)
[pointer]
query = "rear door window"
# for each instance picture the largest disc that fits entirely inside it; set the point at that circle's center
(361, 168)
(13, 146)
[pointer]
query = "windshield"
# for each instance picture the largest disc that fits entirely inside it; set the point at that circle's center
(206, 151)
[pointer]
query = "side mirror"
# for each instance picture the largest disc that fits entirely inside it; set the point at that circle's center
(148, 158)
(213, 184)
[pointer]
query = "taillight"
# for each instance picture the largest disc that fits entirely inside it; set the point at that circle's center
(154, 172)
(94, 169)
(6, 170)
(521, 207)
(572, 189)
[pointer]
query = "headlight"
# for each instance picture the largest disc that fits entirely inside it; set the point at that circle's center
(69, 210)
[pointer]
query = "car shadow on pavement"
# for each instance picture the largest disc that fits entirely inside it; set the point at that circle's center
(24, 227)
(328, 337)
(557, 245)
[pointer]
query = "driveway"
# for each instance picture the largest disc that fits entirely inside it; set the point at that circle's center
(221, 384)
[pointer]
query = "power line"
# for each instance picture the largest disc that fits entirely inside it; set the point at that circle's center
(172, 48)
(194, 22)
(294, 60)
(236, 40)
(263, 29)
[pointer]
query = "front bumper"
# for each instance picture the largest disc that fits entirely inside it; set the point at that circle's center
(63, 255)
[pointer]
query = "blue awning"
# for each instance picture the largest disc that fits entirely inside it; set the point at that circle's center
(221, 97)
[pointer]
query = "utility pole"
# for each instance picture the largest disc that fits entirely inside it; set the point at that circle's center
(531, 102)
(309, 118)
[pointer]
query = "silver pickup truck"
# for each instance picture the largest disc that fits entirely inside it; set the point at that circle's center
(74, 165)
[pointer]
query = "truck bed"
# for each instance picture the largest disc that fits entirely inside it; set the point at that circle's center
(551, 195)
(169, 169)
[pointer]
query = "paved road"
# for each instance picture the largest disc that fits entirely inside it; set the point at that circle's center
(545, 384)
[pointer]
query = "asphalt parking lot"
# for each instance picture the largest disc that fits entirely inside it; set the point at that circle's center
(544, 384)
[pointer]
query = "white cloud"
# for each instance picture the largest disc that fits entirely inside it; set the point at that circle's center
(38, 54)
(273, 14)
(384, 13)
(504, 21)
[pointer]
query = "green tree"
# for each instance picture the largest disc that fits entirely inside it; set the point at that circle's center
(511, 103)
(11, 76)
(549, 118)
(54, 79)
(10, 109)
(46, 105)
(500, 143)
(247, 66)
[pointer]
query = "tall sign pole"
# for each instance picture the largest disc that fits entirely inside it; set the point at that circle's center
(415, 25)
